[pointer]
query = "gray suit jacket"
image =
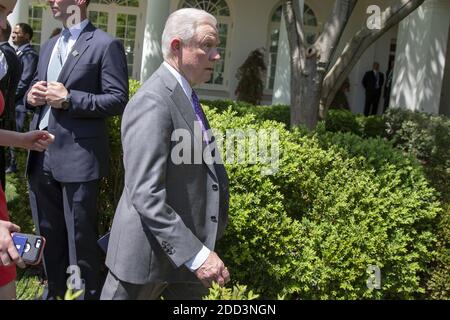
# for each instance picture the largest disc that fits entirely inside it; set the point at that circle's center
(167, 211)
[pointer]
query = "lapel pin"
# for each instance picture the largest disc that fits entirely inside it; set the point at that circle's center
(75, 53)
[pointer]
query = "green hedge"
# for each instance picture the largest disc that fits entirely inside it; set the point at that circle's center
(311, 230)
(279, 113)
(427, 138)
(338, 203)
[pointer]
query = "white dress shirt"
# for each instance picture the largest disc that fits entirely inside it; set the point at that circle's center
(75, 32)
(3, 65)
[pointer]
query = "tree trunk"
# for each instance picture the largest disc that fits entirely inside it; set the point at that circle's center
(310, 87)
(294, 26)
(309, 65)
(358, 45)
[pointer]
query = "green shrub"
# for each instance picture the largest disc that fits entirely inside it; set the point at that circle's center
(17, 196)
(29, 285)
(311, 230)
(250, 77)
(337, 204)
(342, 121)
(279, 113)
(438, 280)
(111, 187)
(238, 292)
(373, 126)
(427, 137)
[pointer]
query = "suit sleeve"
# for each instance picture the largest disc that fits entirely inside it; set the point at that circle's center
(146, 137)
(365, 79)
(114, 87)
(35, 79)
(29, 63)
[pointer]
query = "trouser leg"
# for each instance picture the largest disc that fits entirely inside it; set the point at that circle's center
(46, 201)
(115, 289)
(80, 212)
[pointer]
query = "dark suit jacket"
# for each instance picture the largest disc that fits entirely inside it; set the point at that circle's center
(8, 85)
(369, 82)
(28, 58)
(168, 210)
(96, 76)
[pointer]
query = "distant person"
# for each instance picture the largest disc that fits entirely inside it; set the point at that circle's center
(388, 87)
(8, 86)
(373, 82)
(340, 101)
(28, 57)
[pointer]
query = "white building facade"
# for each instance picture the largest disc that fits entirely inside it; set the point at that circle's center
(420, 45)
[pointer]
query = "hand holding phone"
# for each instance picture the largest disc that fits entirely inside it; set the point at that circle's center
(30, 247)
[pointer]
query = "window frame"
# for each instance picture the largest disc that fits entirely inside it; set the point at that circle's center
(32, 6)
(114, 10)
(274, 25)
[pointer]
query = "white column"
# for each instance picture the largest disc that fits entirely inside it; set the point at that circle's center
(421, 53)
(19, 14)
(282, 85)
(157, 14)
(445, 96)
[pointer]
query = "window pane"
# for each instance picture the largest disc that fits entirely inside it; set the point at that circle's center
(35, 13)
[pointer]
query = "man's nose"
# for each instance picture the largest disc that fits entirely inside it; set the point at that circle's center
(215, 55)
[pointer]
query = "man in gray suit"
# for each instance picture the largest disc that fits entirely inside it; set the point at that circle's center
(171, 212)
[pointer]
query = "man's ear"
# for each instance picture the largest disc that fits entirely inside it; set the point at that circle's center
(175, 46)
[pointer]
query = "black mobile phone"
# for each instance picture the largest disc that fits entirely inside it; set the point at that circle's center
(103, 242)
(30, 247)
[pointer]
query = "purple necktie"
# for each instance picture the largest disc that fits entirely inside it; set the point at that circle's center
(200, 114)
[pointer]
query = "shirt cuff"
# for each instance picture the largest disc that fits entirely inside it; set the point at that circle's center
(197, 261)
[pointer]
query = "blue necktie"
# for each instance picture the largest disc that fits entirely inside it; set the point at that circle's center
(55, 66)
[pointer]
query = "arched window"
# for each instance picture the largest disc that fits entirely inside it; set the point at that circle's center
(122, 19)
(220, 10)
(311, 29)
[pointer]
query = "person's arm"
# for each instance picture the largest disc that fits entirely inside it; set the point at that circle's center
(365, 79)
(8, 252)
(114, 88)
(146, 140)
(33, 140)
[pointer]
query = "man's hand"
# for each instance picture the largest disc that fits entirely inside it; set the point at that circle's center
(56, 92)
(8, 252)
(36, 140)
(213, 270)
(37, 95)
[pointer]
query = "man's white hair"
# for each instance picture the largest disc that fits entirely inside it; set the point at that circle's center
(183, 24)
